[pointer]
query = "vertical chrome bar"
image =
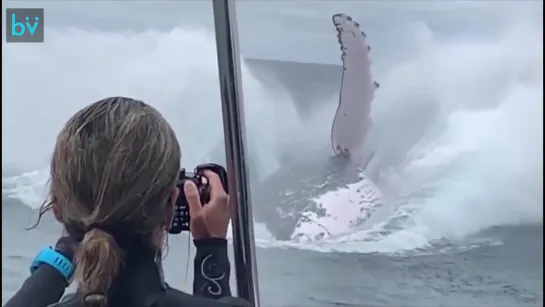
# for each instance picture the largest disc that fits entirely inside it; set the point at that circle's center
(235, 148)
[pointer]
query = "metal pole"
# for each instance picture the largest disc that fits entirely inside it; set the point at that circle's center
(235, 148)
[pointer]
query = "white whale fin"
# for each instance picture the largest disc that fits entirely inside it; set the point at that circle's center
(352, 120)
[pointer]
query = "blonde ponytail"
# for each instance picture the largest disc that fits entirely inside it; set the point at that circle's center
(98, 261)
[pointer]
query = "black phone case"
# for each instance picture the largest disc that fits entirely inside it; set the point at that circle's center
(181, 220)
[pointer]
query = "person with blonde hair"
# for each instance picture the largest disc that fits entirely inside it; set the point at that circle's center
(114, 172)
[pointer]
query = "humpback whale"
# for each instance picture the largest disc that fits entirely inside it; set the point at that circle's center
(287, 201)
(352, 120)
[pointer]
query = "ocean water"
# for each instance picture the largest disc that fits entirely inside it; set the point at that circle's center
(457, 137)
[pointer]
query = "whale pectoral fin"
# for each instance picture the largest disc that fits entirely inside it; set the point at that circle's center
(342, 151)
(338, 18)
(351, 120)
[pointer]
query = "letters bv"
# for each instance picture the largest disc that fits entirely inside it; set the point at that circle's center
(18, 28)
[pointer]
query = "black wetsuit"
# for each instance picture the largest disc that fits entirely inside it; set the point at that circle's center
(140, 283)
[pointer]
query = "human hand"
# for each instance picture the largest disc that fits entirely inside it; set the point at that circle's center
(211, 219)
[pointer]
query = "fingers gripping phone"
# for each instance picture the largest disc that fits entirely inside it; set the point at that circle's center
(181, 219)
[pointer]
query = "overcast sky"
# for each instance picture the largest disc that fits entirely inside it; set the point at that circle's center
(263, 25)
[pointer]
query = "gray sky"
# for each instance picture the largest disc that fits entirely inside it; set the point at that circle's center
(266, 25)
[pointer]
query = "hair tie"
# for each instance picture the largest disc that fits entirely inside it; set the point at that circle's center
(97, 226)
(95, 299)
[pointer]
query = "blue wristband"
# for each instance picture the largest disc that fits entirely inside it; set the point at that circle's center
(53, 258)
